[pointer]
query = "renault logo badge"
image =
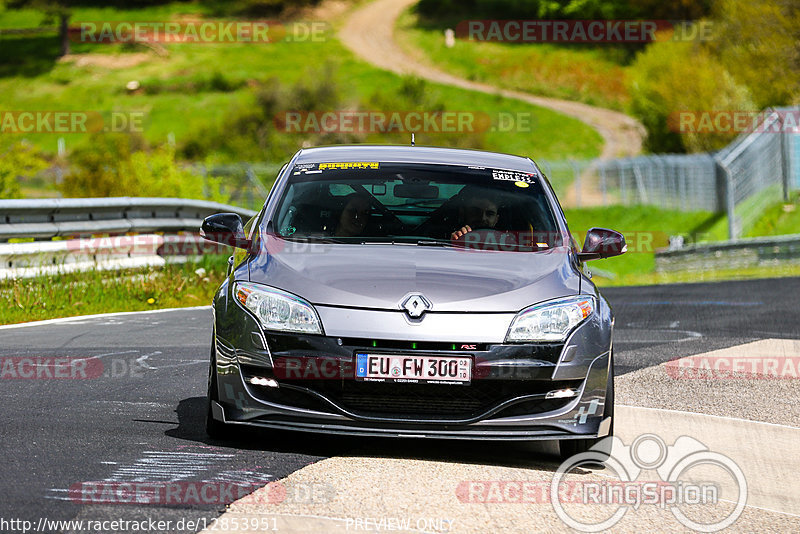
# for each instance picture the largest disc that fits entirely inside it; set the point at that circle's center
(415, 305)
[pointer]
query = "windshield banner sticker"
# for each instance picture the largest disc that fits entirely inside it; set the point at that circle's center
(349, 165)
(513, 176)
(306, 168)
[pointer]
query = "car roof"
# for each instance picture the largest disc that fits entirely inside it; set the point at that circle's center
(414, 154)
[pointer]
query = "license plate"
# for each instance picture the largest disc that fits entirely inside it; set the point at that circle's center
(413, 369)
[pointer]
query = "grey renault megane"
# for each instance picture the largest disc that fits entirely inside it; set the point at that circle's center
(412, 292)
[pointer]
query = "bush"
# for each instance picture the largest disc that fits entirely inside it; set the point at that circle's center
(253, 132)
(564, 9)
(257, 8)
(19, 161)
(250, 131)
(121, 165)
(758, 41)
(96, 169)
(202, 83)
(670, 77)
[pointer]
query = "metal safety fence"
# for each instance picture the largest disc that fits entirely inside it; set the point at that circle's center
(759, 168)
(48, 236)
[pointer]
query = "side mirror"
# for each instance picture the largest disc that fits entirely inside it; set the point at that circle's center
(602, 243)
(225, 228)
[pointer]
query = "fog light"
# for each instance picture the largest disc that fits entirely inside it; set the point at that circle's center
(561, 394)
(260, 381)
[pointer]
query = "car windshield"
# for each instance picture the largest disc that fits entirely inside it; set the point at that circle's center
(438, 205)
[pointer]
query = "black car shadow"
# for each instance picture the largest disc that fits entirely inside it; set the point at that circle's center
(540, 455)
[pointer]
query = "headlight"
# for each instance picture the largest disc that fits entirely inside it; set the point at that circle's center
(552, 320)
(278, 310)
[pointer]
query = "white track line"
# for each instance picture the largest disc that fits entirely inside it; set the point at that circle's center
(96, 316)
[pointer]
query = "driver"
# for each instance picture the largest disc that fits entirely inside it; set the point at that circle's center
(476, 211)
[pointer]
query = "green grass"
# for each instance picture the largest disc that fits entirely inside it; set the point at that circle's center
(688, 277)
(32, 79)
(68, 295)
(592, 74)
(778, 219)
(646, 229)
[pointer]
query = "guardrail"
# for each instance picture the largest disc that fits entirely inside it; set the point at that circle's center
(743, 253)
(48, 218)
(155, 221)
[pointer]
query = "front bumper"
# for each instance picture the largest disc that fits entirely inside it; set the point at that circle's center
(507, 399)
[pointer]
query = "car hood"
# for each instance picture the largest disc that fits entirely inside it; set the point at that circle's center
(380, 276)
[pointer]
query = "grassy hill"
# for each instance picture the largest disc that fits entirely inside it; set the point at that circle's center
(187, 91)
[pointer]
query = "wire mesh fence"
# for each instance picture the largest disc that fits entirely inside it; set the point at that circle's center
(242, 184)
(756, 170)
(760, 168)
(682, 182)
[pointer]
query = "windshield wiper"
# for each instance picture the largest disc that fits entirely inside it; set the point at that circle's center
(387, 242)
(413, 241)
(313, 239)
(437, 243)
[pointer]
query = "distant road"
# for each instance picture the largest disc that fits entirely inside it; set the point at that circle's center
(369, 33)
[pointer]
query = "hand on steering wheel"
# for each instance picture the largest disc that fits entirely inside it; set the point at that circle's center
(464, 230)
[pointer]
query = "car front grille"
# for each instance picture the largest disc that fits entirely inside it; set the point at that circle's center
(389, 400)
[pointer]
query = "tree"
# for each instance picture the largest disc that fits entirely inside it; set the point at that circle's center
(758, 41)
(671, 77)
(20, 161)
(59, 10)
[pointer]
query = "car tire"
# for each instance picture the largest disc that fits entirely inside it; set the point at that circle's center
(215, 429)
(571, 447)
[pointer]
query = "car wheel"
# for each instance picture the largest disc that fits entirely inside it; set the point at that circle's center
(215, 429)
(571, 447)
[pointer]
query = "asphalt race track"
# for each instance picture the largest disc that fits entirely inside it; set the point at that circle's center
(138, 416)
